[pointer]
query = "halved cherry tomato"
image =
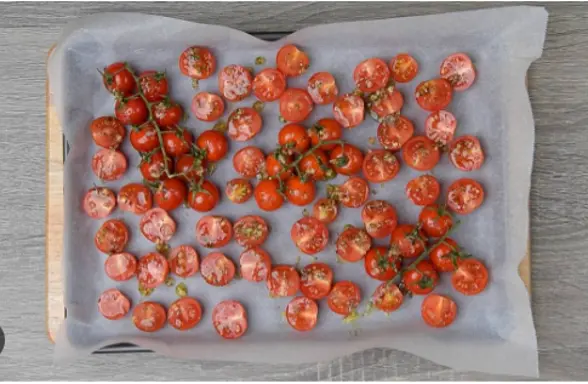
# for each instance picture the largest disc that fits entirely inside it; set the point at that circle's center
(239, 191)
(385, 105)
(310, 235)
(135, 198)
(99, 202)
(120, 266)
(177, 142)
(214, 231)
(353, 244)
(317, 166)
(302, 313)
(113, 304)
(346, 159)
(144, 138)
(291, 61)
(371, 75)
(420, 153)
(404, 68)
(235, 82)
(269, 85)
(470, 278)
(446, 256)
(152, 270)
(183, 261)
(325, 130)
(153, 84)
(300, 192)
(184, 313)
(316, 280)
(283, 281)
(354, 192)
(203, 198)
(197, 63)
(438, 311)
(381, 264)
(248, 161)
(268, 195)
(215, 144)
(393, 134)
(276, 165)
(344, 298)
(157, 226)
(107, 132)
(380, 166)
(465, 196)
(250, 231)
(255, 264)
(322, 88)
(423, 190)
(131, 111)
(387, 297)
(440, 127)
(149, 316)
(109, 164)
(229, 319)
(112, 237)
(349, 110)
(244, 123)
(422, 279)
(192, 168)
(295, 105)
(325, 210)
(466, 153)
(170, 194)
(207, 106)
(217, 269)
(293, 138)
(152, 166)
(407, 240)
(118, 79)
(379, 218)
(433, 95)
(435, 221)
(167, 113)
(459, 71)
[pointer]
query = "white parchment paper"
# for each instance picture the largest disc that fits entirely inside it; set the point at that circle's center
(493, 332)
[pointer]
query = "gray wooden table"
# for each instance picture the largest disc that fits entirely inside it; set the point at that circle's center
(558, 85)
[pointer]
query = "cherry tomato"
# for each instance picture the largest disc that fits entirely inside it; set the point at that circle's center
(207, 106)
(325, 130)
(420, 153)
(283, 281)
(459, 71)
(215, 144)
(438, 311)
(249, 161)
(302, 313)
(422, 279)
(380, 166)
(295, 105)
(385, 105)
(353, 244)
(349, 110)
(381, 264)
(135, 198)
(118, 79)
(109, 164)
(470, 278)
(170, 194)
(214, 231)
(387, 297)
(346, 159)
(120, 266)
(325, 210)
(344, 298)
(113, 304)
(316, 280)
(217, 269)
(269, 85)
(131, 111)
(316, 165)
(153, 85)
(371, 75)
(184, 313)
(379, 218)
(153, 166)
(446, 256)
(435, 221)
(322, 88)
(144, 138)
(229, 319)
(268, 195)
(183, 261)
(404, 68)
(107, 132)
(112, 237)
(393, 134)
(276, 165)
(407, 240)
(157, 226)
(255, 264)
(99, 202)
(192, 168)
(244, 124)
(177, 142)
(152, 270)
(239, 191)
(300, 192)
(149, 316)
(466, 153)
(293, 138)
(250, 231)
(423, 190)
(235, 82)
(465, 196)
(167, 113)
(310, 235)
(433, 95)
(291, 61)
(197, 63)
(440, 127)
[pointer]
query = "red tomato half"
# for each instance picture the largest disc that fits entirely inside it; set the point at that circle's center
(438, 311)
(135, 198)
(217, 269)
(310, 235)
(353, 244)
(393, 134)
(459, 71)
(440, 127)
(381, 264)
(421, 153)
(466, 153)
(157, 226)
(354, 192)
(112, 237)
(183, 261)
(465, 196)
(387, 297)
(283, 281)
(120, 266)
(380, 166)
(349, 110)
(207, 106)
(344, 298)
(404, 68)
(152, 270)
(325, 210)
(302, 313)
(433, 95)
(239, 191)
(371, 75)
(316, 280)
(423, 190)
(149, 316)
(229, 319)
(213, 231)
(250, 231)
(385, 105)
(113, 304)
(379, 218)
(235, 82)
(197, 63)
(322, 88)
(407, 240)
(291, 61)
(244, 124)
(470, 278)
(269, 85)
(99, 202)
(422, 279)
(107, 132)
(255, 264)
(249, 161)
(184, 313)
(109, 164)
(295, 105)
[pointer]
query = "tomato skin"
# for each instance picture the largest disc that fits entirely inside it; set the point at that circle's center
(466, 153)
(120, 266)
(167, 113)
(300, 192)
(153, 166)
(107, 132)
(438, 311)
(207, 106)
(157, 226)
(316, 165)
(464, 196)
(309, 235)
(353, 244)
(346, 159)
(269, 85)
(470, 278)
(197, 63)
(183, 261)
(255, 264)
(144, 138)
(322, 88)
(113, 304)
(235, 82)
(249, 161)
(302, 313)
(131, 111)
(276, 165)
(325, 130)
(404, 68)
(239, 191)
(420, 153)
(156, 320)
(392, 135)
(109, 164)
(444, 255)
(112, 237)
(371, 75)
(215, 144)
(244, 124)
(293, 138)
(267, 195)
(214, 231)
(379, 218)
(458, 70)
(99, 202)
(422, 279)
(435, 221)
(381, 264)
(295, 105)
(325, 210)
(192, 168)
(283, 281)
(217, 269)
(433, 95)
(229, 319)
(153, 85)
(344, 298)
(385, 104)
(387, 297)
(177, 142)
(380, 166)
(184, 313)
(250, 231)
(407, 240)
(118, 79)
(423, 190)
(135, 198)
(152, 270)
(440, 127)
(316, 280)
(291, 61)
(170, 194)
(349, 110)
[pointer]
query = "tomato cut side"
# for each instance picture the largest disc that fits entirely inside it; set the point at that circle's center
(183, 261)
(244, 124)
(149, 316)
(466, 153)
(99, 202)
(152, 270)
(113, 304)
(120, 266)
(434, 95)
(109, 164)
(207, 106)
(423, 190)
(235, 82)
(197, 62)
(217, 269)
(229, 319)
(322, 88)
(292, 61)
(309, 235)
(295, 105)
(408, 240)
(269, 85)
(250, 231)
(380, 166)
(283, 281)
(255, 264)
(316, 280)
(440, 127)
(349, 110)
(438, 311)
(393, 134)
(112, 237)
(184, 313)
(387, 297)
(421, 153)
(213, 231)
(404, 68)
(302, 313)
(135, 198)
(107, 132)
(464, 196)
(379, 218)
(459, 70)
(157, 226)
(470, 278)
(344, 298)
(371, 75)
(353, 244)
